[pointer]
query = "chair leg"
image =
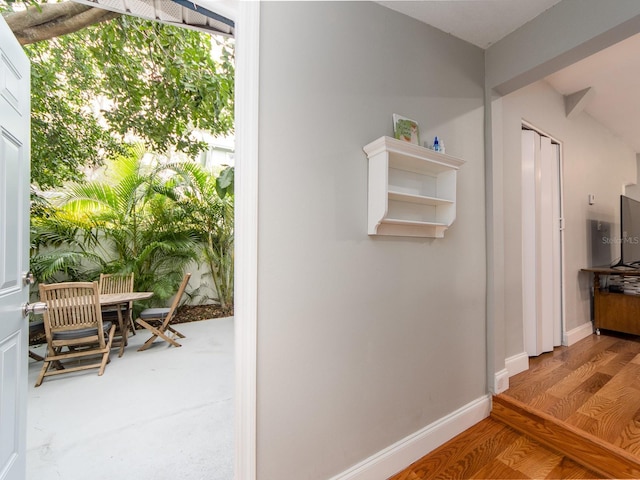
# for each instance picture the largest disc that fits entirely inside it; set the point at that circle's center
(175, 332)
(43, 370)
(148, 343)
(155, 334)
(132, 325)
(168, 339)
(105, 355)
(124, 332)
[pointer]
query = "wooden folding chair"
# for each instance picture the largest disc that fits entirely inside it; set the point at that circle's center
(157, 320)
(114, 283)
(73, 320)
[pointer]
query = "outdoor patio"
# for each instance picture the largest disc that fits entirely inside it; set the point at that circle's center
(165, 413)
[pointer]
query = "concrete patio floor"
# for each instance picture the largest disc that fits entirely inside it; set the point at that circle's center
(165, 413)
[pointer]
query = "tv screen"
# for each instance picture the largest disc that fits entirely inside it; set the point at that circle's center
(629, 231)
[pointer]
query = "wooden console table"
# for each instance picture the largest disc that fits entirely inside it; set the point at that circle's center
(615, 311)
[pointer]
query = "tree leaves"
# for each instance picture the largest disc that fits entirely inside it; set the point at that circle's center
(96, 89)
(224, 182)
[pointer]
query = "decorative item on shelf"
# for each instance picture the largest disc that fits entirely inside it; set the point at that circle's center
(438, 145)
(405, 129)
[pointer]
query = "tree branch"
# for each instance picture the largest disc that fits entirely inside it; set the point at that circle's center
(51, 20)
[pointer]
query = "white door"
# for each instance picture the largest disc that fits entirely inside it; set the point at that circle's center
(541, 243)
(14, 252)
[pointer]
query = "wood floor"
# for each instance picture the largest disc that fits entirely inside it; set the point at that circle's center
(492, 450)
(574, 414)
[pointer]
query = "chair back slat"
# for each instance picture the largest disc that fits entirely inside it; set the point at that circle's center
(113, 283)
(71, 306)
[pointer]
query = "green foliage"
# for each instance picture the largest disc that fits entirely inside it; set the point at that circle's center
(209, 216)
(66, 134)
(108, 226)
(94, 88)
(61, 249)
(9, 5)
(141, 218)
(224, 182)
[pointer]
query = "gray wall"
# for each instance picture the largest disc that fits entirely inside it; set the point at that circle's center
(595, 162)
(361, 340)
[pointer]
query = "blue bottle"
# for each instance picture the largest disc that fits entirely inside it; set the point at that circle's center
(436, 144)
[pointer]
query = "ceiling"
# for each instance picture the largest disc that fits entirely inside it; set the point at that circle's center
(481, 22)
(612, 74)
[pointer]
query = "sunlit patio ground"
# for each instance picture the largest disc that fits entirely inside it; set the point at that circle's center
(164, 413)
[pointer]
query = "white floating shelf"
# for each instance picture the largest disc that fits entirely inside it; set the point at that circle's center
(412, 189)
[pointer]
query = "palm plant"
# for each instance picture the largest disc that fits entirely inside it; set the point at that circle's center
(61, 249)
(207, 204)
(128, 223)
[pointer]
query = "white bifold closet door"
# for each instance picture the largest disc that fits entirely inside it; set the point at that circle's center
(541, 243)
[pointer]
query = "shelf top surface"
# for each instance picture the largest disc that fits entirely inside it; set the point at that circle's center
(408, 151)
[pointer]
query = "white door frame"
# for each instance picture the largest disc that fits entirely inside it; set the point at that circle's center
(246, 15)
(246, 236)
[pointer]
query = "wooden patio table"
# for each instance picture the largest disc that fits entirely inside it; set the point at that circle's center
(109, 299)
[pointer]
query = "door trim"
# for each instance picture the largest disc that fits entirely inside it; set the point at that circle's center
(246, 237)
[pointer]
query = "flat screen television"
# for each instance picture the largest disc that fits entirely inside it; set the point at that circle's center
(629, 232)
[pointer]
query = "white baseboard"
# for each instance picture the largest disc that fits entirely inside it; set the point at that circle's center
(500, 381)
(512, 366)
(403, 453)
(517, 363)
(576, 334)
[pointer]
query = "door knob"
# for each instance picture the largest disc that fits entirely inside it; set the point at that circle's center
(37, 308)
(28, 278)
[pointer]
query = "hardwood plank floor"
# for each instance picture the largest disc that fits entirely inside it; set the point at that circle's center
(493, 450)
(580, 402)
(596, 388)
(587, 450)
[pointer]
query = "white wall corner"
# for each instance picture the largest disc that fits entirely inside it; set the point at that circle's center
(517, 363)
(403, 453)
(501, 381)
(576, 334)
